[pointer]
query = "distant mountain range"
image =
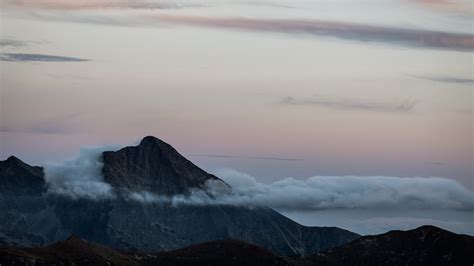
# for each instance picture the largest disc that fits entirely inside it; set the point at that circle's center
(33, 216)
(426, 245)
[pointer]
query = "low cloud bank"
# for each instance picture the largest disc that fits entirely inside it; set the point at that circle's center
(326, 192)
(348, 192)
(80, 177)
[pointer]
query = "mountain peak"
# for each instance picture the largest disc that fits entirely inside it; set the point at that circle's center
(18, 176)
(150, 139)
(153, 166)
(13, 159)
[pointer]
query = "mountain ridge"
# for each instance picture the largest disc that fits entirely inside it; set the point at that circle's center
(75, 251)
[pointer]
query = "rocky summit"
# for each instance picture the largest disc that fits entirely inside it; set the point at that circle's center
(43, 217)
(153, 166)
(18, 177)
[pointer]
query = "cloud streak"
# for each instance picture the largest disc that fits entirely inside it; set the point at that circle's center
(97, 4)
(445, 79)
(350, 31)
(246, 157)
(397, 106)
(20, 57)
(11, 43)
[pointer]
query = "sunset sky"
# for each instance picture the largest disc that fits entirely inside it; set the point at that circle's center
(272, 88)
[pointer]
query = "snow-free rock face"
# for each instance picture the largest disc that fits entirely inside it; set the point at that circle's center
(153, 166)
(19, 177)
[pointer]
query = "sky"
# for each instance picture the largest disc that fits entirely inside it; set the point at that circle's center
(273, 89)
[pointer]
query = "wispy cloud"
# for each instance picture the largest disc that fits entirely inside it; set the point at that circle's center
(399, 106)
(19, 57)
(100, 4)
(351, 31)
(391, 35)
(246, 157)
(445, 79)
(12, 43)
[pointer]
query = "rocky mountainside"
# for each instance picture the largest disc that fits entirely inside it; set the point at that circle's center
(426, 245)
(153, 166)
(32, 219)
(20, 178)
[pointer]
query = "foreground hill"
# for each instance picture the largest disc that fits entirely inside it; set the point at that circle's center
(426, 245)
(32, 216)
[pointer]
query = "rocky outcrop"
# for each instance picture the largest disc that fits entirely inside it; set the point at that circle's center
(153, 166)
(17, 177)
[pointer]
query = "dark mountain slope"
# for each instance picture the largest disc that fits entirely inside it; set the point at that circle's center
(19, 177)
(426, 245)
(153, 166)
(164, 227)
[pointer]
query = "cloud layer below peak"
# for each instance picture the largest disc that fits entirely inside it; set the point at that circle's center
(82, 178)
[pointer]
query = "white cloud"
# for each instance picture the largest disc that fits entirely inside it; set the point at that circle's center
(348, 192)
(80, 177)
(328, 192)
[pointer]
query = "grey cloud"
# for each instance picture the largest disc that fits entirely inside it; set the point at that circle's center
(366, 33)
(390, 35)
(446, 79)
(246, 157)
(11, 43)
(101, 4)
(353, 104)
(20, 57)
(36, 129)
